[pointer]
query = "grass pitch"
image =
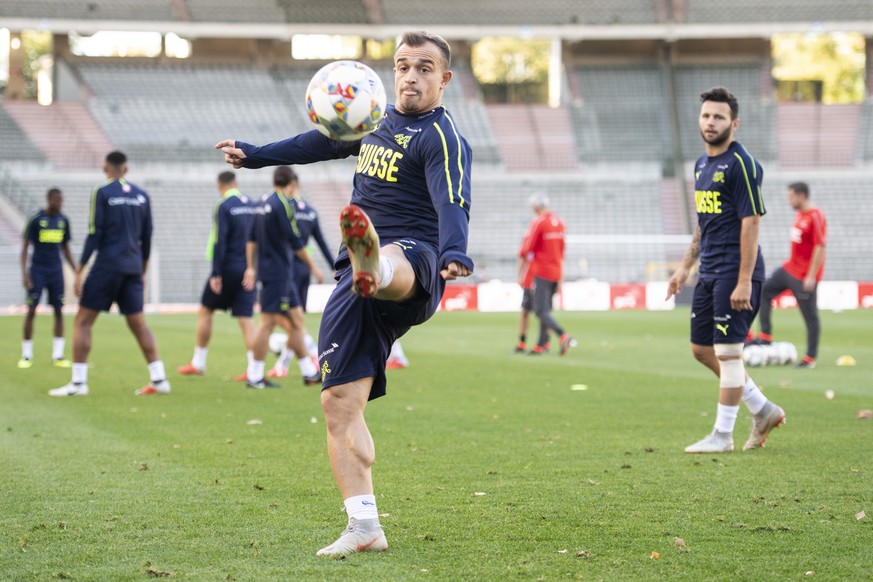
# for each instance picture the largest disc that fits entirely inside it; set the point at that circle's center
(489, 465)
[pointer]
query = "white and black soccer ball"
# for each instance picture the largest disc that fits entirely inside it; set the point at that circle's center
(277, 342)
(345, 100)
(755, 356)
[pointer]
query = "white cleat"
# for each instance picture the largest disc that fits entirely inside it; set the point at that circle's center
(770, 417)
(715, 442)
(70, 389)
(364, 535)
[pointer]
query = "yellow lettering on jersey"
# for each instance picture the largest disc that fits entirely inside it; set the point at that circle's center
(707, 201)
(379, 162)
(51, 235)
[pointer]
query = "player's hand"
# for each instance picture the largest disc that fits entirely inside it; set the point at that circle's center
(741, 298)
(319, 276)
(676, 283)
(455, 270)
(215, 285)
(248, 281)
(809, 284)
(77, 283)
(28, 283)
(232, 154)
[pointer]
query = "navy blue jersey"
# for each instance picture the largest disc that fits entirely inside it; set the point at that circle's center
(120, 228)
(276, 233)
(412, 177)
(47, 234)
(231, 226)
(727, 189)
(307, 223)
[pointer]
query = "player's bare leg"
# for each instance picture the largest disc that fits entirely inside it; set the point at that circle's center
(146, 340)
(352, 454)
(82, 326)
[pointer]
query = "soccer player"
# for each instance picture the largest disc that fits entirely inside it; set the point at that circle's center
(544, 244)
(48, 230)
(800, 273)
(728, 292)
(120, 231)
(231, 224)
(411, 195)
(309, 227)
(268, 254)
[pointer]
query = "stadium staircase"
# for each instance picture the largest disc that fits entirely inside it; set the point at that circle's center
(65, 132)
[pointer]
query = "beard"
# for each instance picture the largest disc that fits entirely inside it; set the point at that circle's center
(718, 139)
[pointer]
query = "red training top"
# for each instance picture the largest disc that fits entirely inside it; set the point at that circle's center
(545, 240)
(809, 230)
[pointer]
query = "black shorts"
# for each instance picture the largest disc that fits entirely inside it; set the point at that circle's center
(527, 299)
(302, 277)
(278, 296)
(50, 280)
(713, 320)
(103, 288)
(356, 334)
(233, 297)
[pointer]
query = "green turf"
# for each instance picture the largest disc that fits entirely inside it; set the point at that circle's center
(489, 465)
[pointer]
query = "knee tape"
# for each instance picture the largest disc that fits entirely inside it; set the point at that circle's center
(732, 373)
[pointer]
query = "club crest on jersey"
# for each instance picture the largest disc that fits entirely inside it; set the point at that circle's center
(402, 140)
(718, 177)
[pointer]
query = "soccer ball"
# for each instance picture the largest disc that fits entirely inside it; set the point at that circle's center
(754, 356)
(277, 342)
(786, 353)
(345, 100)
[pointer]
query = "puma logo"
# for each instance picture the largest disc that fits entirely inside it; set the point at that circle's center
(722, 328)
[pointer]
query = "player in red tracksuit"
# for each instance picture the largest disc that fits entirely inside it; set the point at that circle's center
(801, 272)
(544, 243)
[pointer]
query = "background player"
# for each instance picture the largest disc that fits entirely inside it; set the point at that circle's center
(544, 244)
(268, 256)
(309, 227)
(48, 230)
(800, 273)
(417, 208)
(120, 231)
(728, 291)
(525, 279)
(231, 225)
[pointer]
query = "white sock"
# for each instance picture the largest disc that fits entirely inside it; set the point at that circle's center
(362, 507)
(307, 367)
(58, 348)
(397, 351)
(284, 357)
(27, 349)
(199, 359)
(726, 418)
(156, 371)
(80, 373)
(311, 346)
(753, 397)
(386, 271)
(255, 372)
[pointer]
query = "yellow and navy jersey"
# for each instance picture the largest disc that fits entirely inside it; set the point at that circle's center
(727, 188)
(232, 219)
(47, 233)
(276, 233)
(119, 228)
(412, 177)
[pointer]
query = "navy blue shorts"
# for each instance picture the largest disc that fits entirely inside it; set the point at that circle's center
(713, 321)
(356, 334)
(240, 302)
(103, 288)
(51, 281)
(302, 277)
(278, 296)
